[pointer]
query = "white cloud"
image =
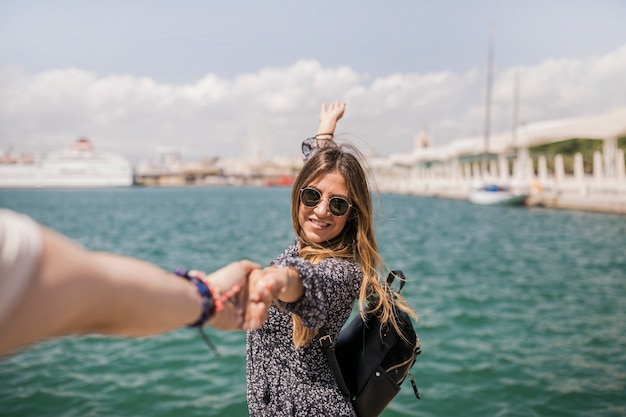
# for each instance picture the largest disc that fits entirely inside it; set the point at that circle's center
(272, 110)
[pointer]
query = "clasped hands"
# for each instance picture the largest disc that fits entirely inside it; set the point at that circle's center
(250, 291)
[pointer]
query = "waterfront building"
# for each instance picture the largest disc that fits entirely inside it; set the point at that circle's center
(452, 170)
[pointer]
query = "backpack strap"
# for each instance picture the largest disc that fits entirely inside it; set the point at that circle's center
(396, 274)
(329, 349)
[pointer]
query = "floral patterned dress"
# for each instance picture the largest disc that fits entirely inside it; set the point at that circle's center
(283, 380)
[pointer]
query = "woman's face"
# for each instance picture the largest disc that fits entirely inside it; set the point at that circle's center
(317, 223)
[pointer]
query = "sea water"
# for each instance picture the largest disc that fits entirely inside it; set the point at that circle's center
(522, 311)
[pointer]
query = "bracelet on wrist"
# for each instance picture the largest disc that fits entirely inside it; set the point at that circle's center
(210, 304)
(324, 134)
(209, 307)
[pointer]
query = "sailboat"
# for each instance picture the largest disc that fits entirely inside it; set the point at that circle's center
(494, 194)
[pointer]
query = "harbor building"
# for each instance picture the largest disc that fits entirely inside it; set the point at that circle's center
(455, 169)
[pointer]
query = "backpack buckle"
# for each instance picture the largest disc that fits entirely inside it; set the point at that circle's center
(326, 341)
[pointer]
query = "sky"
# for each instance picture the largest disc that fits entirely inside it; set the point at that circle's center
(246, 78)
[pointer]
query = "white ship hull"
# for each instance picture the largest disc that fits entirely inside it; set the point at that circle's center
(9, 179)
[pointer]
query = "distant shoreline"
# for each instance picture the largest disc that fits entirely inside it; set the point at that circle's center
(562, 201)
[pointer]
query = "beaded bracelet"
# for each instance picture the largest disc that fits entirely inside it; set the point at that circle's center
(208, 301)
(210, 304)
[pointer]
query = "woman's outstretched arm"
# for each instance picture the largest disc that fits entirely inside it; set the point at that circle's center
(77, 291)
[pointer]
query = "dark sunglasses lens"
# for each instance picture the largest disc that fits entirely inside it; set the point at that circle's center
(338, 206)
(310, 197)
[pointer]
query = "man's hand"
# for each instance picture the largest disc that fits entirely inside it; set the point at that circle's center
(231, 288)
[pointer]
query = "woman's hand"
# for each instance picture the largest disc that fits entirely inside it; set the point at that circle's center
(268, 284)
(231, 285)
(329, 116)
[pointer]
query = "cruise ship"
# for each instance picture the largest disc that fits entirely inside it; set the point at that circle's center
(80, 166)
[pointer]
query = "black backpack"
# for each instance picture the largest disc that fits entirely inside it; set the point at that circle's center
(370, 360)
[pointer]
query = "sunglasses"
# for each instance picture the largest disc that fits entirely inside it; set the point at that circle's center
(338, 206)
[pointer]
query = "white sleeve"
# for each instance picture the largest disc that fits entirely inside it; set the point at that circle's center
(20, 252)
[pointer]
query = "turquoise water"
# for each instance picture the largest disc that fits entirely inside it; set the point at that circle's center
(523, 311)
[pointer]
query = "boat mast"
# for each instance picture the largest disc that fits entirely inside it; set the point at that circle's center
(488, 103)
(515, 109)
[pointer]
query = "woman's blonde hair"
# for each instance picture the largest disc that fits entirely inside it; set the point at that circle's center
(356, 240)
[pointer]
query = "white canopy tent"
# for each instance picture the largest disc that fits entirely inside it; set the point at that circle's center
(609, 125)
(605, 126)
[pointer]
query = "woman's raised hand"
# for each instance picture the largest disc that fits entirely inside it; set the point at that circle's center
(329, 116)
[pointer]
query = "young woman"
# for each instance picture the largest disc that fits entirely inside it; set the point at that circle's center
(315, 282)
